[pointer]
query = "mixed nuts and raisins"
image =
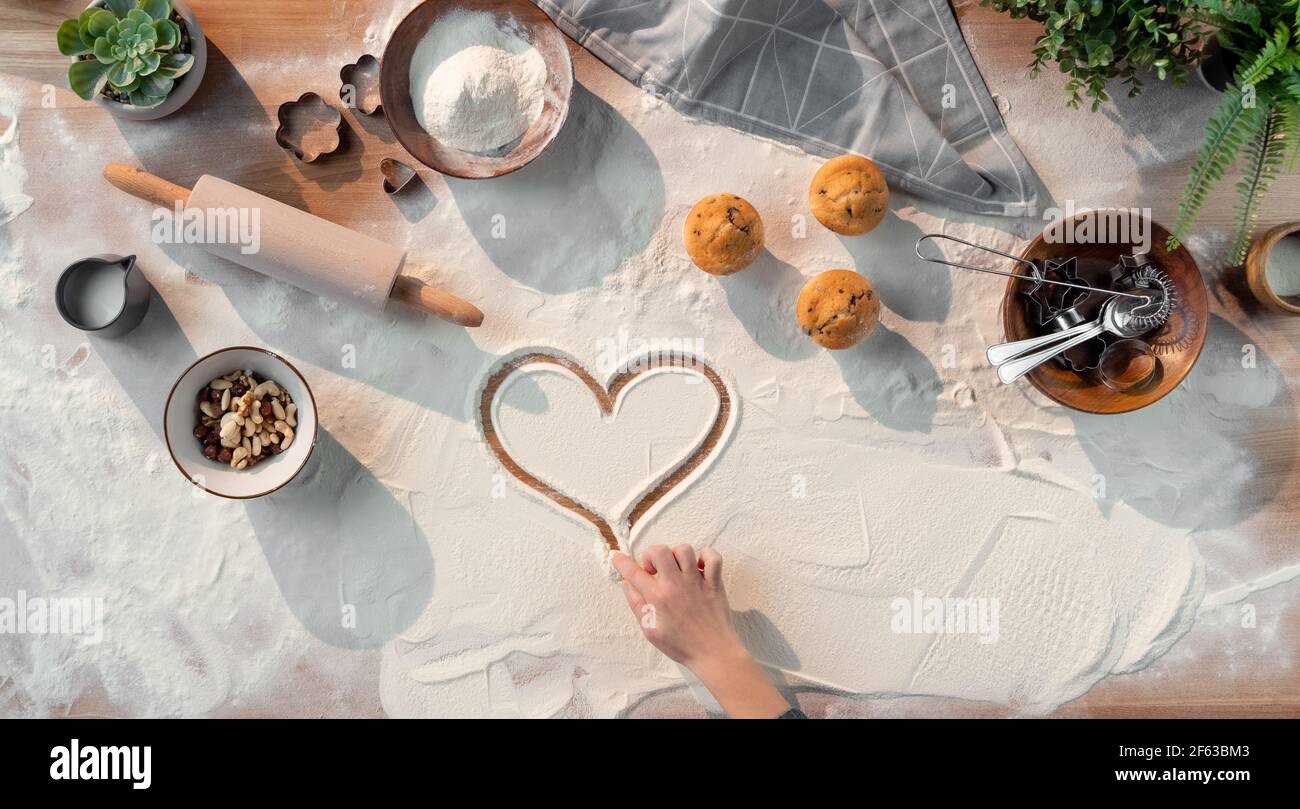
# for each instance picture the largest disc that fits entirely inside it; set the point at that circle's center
(244, 419)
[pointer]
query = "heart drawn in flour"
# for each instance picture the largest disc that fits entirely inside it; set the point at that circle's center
(609, 398)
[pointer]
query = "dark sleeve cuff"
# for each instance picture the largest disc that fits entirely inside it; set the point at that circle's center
(793, 713)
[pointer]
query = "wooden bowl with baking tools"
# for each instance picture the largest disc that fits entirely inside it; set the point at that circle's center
(1264, 248)
(302, 249)
(399, 108)
(1176, 344)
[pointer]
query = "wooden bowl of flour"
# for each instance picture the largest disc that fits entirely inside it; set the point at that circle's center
(519, 17)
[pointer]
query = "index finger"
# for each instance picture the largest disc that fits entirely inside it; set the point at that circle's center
(629, 569)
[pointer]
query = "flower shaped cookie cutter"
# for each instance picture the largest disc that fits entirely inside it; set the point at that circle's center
(309, 127)
(360, 90)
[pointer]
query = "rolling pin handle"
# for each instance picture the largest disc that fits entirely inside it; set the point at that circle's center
(415, 293)
(146, 186)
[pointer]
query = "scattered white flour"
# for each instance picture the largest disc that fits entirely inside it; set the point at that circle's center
(13, 202)
(1284, 266)
(1242, 591)
(476, 86)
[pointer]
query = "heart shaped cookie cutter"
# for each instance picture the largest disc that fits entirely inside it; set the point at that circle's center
(397, 175)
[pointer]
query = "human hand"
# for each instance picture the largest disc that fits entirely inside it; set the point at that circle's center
(680, 602)
(681, 606)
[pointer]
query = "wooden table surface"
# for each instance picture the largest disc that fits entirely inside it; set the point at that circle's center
(1222, 679)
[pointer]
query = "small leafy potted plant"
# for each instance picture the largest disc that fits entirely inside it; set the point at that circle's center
(1259, 116)
(140, 59)
(1095, 41)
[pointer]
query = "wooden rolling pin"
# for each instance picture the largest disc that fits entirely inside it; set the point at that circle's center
(302, 249)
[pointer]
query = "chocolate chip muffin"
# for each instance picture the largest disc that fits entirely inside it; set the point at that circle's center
(723, 234)
(838, 308)
(849, 195)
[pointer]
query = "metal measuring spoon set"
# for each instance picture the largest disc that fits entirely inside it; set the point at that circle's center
(1141, 301)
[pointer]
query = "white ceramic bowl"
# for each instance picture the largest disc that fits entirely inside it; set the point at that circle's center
(182, 413)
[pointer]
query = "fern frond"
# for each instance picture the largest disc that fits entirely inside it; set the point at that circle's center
(1246, 14)
(1264, 154)
(1223, 136)
(1292, 84)
(1290, 113)
(1275, 55)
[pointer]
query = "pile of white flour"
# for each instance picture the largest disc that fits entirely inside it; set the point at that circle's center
(13, 202)
(476, 86)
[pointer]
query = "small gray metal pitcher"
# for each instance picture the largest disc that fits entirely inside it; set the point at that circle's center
(106, 295)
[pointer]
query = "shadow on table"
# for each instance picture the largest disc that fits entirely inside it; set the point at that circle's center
(764, 640)
(148, 360)
(350, 560)
(762, 298)
(912, 288)
(237, 135)
(1210, 454)
(1163, 129)
(599, 173)
(415, 201)
(891, 380)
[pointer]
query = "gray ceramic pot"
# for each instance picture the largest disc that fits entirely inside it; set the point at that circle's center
(185, 88)
(1217, 67)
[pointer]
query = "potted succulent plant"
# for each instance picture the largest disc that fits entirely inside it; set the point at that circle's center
(1259, 116)
(141, 59)
(1094, 41)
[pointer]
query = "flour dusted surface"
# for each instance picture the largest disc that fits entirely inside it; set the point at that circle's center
(852, 479)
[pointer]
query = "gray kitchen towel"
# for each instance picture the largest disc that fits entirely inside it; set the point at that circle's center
(890, 79)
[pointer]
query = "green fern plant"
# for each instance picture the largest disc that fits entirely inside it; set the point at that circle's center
(1258, 120)
(1265, 153)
